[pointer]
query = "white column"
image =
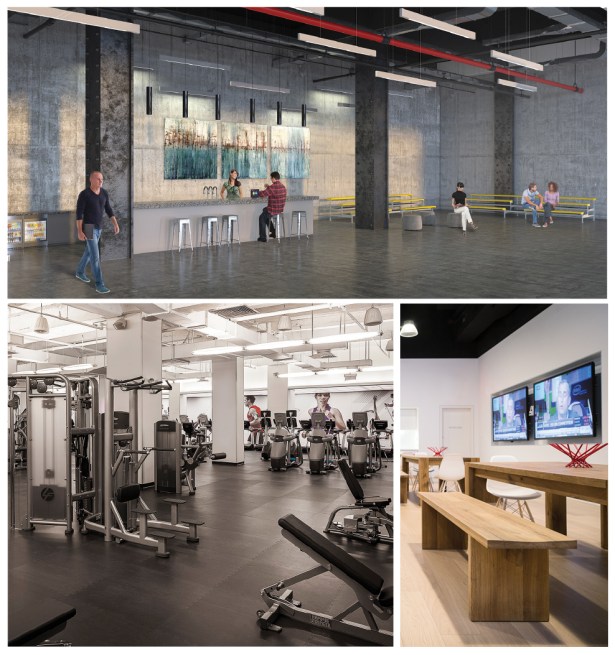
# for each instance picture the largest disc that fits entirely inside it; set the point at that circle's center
(174, 402)
(134, 351)
(277, 389)
(227, 409)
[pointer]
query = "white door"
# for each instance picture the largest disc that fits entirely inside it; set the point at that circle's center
(457, 429)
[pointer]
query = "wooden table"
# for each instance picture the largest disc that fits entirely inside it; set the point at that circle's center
(554, 479)
(424, 462)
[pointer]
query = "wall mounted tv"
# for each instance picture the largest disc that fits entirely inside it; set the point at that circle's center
(509, 416)
(564, 404)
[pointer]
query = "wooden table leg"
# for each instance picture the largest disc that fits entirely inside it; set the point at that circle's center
(475, 486)
(405, 465)
(604, 526)
(438, 533)
(555, 512)
(424, 474)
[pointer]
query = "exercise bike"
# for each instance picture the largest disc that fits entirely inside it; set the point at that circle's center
(364, 453)
(321, 445)
(285, 449)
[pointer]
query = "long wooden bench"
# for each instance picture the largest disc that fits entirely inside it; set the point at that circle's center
(508, 557)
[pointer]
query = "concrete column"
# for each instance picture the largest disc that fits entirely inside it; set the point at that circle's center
(277, 389)
(135, 351)
(108, 125)
(504, 115)
(371, 149)
(174, 402)
(227, 409)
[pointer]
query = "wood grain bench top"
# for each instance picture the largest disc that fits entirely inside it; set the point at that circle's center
(493, 527)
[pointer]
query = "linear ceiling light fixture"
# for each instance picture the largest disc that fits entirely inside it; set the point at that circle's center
(406, 79)
(258, 87)
(192, 62)
(218, 350)
(518, 85)
(76, 17)
(320, 11)
(296, 374)
(517, 61)
(272, 345)
(436, 24)
(341, 338)
(77, 367)
(328, 43)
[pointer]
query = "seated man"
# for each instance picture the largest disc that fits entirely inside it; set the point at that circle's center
(533, 200)
(276, 194)
(459, 207)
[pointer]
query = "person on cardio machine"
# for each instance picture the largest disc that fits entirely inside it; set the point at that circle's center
(332, 413)
(253, 416)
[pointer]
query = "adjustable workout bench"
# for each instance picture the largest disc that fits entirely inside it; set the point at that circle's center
(365, 526)
(372, 596)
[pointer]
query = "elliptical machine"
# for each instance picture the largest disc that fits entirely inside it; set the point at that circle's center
(266, 426)
(361, 447)
(320, 446)
(284, 453)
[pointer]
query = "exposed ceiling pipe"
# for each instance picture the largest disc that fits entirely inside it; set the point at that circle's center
(592, 55)
(403, 45)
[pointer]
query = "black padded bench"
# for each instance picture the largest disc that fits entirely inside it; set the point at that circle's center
(373, 597)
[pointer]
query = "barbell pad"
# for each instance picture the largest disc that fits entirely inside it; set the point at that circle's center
(217, 456)
(127, 492)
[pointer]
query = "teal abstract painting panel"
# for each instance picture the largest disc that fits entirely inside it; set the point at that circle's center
(290, 151)
(190, 149)
(244, 148)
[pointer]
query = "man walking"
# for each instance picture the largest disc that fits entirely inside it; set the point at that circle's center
(276, 194)
(92, 204)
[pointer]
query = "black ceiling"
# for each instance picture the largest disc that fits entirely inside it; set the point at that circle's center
(461, 330)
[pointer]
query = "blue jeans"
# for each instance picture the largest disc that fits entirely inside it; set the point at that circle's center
(526, 205)
(92, 256)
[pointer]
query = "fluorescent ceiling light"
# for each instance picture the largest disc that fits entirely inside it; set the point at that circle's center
(436, 24)
(340, 338)
(369, 369)
(77, 367)
(408, 329)
(518, 61)
(345, 93)
(328, 43)
(311, 10)
(54, 369)
(350, 363)
(258, 87)
(406, 79)
(192, 62)
(82, 19)
(218, 350)
(272, 345)
(338, 371)
(298, 374)
(517, 85)
(281, 312)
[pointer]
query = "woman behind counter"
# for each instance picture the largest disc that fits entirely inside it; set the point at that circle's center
(232, 187)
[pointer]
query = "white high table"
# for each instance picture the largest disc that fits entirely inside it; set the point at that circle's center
(152, 222)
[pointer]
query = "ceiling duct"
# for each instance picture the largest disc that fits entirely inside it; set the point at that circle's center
(323, 354)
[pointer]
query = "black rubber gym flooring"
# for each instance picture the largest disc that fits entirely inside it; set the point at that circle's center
(205, 594)
(505, 258)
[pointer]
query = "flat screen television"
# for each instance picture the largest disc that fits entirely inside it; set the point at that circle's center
(509, 416)
(564, 404)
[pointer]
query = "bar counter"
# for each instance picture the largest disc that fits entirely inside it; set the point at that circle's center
(153, 222)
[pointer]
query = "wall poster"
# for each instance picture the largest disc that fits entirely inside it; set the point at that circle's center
(244, 148)
(190, 149)
(290, 151)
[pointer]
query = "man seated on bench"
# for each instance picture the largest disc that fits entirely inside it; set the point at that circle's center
(459, 207)
(531, 199)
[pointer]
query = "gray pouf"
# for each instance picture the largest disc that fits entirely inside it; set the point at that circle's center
(411, 221)
(453, 220)
(429, 219)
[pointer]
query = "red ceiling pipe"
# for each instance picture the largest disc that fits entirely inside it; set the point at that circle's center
(404, 45)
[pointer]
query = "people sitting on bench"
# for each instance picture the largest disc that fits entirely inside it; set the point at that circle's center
(374, 598)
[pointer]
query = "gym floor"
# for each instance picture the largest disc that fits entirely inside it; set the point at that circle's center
(505, 258)
(205, 594)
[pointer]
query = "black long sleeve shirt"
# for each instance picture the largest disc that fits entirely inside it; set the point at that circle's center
(91, 207)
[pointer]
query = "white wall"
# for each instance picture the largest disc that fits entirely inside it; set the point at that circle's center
(429, 384)
(561, 335)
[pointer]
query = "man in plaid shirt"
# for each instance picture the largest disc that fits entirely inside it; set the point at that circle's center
(276, 195)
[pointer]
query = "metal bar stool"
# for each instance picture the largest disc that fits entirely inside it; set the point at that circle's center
(277, 218)
(230, 219)
(301, 218)
(211, 221)
(182, 227)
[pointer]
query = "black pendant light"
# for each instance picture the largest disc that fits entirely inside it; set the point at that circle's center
(279, 112)
(185, 104)
(149, 100)
(252, 110)
(218, 106)
(303, 115)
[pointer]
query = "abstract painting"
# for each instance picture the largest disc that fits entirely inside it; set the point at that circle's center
(244, 148)
(290, 151)
(190, 149)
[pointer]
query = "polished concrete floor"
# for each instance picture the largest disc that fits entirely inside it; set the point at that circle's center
(205, 594)
(503, 259)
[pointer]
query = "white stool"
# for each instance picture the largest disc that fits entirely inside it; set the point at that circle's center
(229, 219)
(182, 227)
(211, 221)
(276, 218)
(299, 216)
